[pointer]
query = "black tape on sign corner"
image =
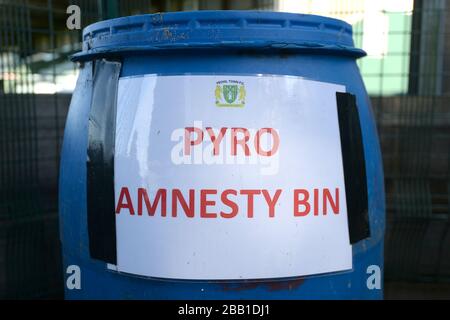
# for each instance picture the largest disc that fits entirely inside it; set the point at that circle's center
(100, 162)
(354, 167)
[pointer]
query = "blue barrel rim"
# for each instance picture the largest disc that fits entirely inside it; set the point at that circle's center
(218, 29)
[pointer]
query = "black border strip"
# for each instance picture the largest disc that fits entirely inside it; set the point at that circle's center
(100, 162)
(354, 167)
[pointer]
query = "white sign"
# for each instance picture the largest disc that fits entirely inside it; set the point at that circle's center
(229, 177)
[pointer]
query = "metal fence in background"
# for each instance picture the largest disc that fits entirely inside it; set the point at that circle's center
(415, 140)
(407, 74)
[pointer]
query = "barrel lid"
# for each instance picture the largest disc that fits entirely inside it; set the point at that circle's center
(218, 29)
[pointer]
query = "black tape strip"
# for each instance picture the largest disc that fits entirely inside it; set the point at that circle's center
(354, 167)
(100, 162)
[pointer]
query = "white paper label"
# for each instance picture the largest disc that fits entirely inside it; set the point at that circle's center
(229, 177)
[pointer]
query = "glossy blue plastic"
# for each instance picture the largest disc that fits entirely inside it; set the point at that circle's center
(218, 42)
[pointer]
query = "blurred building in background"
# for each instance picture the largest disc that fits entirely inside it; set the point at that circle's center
(406, 72)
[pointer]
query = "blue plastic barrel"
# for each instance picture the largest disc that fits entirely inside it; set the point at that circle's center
(141, 78)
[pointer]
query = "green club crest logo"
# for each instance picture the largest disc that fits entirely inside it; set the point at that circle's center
(230, 93)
